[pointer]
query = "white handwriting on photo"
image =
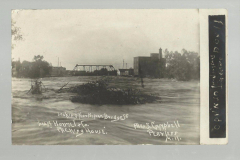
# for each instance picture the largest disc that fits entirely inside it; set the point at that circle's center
(77, 126)
(161, 130)
(104, 116)
(74, 127)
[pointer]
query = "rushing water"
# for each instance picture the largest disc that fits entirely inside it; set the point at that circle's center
(180, 102)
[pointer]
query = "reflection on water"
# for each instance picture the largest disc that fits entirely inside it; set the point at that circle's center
(180, 101)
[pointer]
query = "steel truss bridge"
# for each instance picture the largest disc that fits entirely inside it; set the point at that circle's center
(91, 68)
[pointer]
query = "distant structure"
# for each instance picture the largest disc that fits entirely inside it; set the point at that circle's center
(153, 66)
(94, 70)
(58, 71)
(126, 72)
(14, 71)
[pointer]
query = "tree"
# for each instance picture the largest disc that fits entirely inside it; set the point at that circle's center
(17, 66)
(166, 52)
(40, 68)
(38, 58)
(26, 68)
(16, 33)
(37, 68)
(183, 66)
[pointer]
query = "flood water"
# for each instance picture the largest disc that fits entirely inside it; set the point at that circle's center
(180, 102)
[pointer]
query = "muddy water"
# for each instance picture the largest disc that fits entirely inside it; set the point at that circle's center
(180, 102)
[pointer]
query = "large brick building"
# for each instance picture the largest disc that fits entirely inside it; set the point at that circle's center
(153, 66)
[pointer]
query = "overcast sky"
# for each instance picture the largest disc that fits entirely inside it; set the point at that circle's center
(103, 36)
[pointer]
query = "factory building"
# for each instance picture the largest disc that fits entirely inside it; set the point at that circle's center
(153, 66)
(58, 71)
(126, 72)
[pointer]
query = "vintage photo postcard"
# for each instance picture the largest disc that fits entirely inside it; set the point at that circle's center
(119, 77)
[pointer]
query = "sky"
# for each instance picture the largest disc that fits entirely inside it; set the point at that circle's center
(103, 36)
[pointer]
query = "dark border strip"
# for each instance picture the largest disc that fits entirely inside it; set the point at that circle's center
(217, 76)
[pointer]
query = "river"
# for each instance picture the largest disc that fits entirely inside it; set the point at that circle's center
(180, 102)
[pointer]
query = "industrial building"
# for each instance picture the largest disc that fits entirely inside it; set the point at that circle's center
(126, 72)
(153, 66)
(58, 71)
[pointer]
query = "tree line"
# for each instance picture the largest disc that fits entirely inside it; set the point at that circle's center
(182, 66)
(35, 69)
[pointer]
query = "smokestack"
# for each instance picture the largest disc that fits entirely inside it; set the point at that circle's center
(58, 61)
(160, 53)
(123, 64)
(126, 65)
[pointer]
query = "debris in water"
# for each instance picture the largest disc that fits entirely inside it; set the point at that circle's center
(62, 87)
(36, 87)
(97, 92)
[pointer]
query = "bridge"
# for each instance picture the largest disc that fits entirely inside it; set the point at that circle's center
(90, 68)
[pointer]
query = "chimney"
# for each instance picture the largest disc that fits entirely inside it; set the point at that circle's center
(160, 53)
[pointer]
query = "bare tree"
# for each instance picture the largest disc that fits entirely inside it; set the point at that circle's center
(16, 33)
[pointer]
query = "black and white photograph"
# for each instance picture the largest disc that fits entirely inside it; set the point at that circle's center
(106, 77)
